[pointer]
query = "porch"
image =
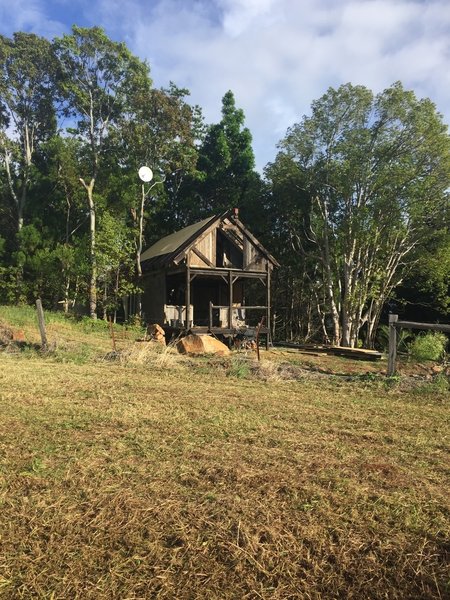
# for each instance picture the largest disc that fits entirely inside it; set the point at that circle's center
(216, 301)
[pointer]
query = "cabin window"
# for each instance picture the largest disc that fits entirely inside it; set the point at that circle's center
(228, 254)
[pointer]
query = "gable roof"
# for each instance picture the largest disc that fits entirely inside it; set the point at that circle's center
(169, 248)
(175, 241)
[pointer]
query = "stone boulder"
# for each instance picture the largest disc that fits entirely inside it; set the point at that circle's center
(214, 346)
(201, 344)
(19, 335)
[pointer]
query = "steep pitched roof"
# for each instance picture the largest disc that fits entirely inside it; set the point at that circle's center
(168, 249)
(174, 241)
(165, 249)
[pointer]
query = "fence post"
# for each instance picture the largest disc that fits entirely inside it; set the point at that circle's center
(41, 322)
(392, 344)
(258, 329)
(113, 337)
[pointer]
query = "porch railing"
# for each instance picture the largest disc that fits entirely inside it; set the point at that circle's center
(175, 314)
(230, 311)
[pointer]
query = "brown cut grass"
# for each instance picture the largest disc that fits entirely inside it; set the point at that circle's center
(124, 482)
(135, 479)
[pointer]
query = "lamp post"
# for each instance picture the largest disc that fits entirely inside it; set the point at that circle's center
(146, 176)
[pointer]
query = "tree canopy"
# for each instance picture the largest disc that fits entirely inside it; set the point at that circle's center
(361, 180)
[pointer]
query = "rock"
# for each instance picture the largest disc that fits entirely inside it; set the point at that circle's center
(191, 344)
(214, 346)
(155, 330)
(19, 335)
(202, 344)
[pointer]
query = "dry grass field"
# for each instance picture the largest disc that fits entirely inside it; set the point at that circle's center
(158, 476)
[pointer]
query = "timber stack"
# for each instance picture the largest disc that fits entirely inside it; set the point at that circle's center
(156, 333)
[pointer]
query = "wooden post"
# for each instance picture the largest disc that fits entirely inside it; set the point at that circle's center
(230, 298)
(113, 337)
(392, 344)
(258, 329)
(41, 322)
(188, 294)
(210, 315)
(268, 307)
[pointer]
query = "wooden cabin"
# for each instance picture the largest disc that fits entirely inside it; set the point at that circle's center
(202, 278)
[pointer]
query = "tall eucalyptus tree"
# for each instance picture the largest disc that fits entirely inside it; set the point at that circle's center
(28, 74)
(369, 173)
(100, 80)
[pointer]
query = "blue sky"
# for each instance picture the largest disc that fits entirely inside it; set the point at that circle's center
(276, 55)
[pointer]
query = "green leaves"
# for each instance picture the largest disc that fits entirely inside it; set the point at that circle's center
(99, 79)
(226, 158)
(366, 172)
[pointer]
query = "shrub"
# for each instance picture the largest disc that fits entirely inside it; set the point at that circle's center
(428, 346)
(239, 367)
(404, 337)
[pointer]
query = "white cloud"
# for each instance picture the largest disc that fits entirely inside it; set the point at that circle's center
(276, 55)
(30, 16)
(241, 15)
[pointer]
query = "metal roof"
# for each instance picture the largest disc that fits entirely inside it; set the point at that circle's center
(174, 241)
(171, 248)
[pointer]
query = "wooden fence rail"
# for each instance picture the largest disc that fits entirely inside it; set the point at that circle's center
(395, 325)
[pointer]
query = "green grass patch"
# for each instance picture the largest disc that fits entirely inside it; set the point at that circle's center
(428, 346)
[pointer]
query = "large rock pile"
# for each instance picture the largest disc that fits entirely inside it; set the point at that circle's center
(202, 344)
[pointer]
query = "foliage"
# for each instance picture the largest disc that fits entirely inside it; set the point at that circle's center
(225, 164)
(364, 176)
(239, 368)
(355, 203)
(99, 83)
(28, 75)
(428, 346)
(426, 289)
(404, 338)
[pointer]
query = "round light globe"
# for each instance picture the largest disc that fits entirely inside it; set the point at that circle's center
(145, 174)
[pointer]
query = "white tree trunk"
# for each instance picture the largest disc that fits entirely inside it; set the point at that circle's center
(92, 249)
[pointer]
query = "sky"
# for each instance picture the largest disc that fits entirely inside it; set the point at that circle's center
(277, 56)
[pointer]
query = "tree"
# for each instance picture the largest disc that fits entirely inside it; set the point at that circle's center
(28, 73)
(226, 163)
(101, 78)
(369, 172)
(425, 293)
(114, 260)
(161, 132)
(65, 213)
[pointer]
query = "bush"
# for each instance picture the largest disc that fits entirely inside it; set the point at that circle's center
(404, 336)
(428, 346)
(239, 367)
